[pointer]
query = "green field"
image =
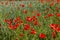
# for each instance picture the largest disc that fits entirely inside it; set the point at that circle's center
(27, 20)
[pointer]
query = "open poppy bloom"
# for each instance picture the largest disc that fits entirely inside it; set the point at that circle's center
(29, 19)
(58, 29)
(8, 21)
(24, 11)
(17, 19)
(58, 1)
(52, 4)
(35, 23)
(55, 27)
(42, 35)
(38, 14)
(34, 18)
(26, 27)
(22, 5)
(13, 26)
(49, 15)
(58, 14)
(33, 31)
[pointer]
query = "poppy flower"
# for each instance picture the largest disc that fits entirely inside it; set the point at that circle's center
(35, 22)
(30, 5)
(26, 27)
(22, 5)
(57, 8)
(21, 35)
(58, 1)
(34, 18)
(49, 15)
(33, 31)
(47, 0)
(58, 29)
(54, 26)
(17, 19)
(16, 26)
(16, 38)
(24, 11)
(58, 14)
(45, 17)
(42, 1)
(29, 19)
(8, 21)
(13, 26)
(10, 26)
(20, 22)
(53, 0)
(38, 14)
(52, 4)
(42, 36)
(54, 34)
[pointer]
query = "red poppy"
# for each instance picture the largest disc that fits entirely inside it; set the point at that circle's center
(21, 35)
(45, 16)
(58, 14)
(53, 0)
(33, 31)
(29, 19)
(26, 27)
(16, 26)
(22, 5)
(38, 14)
(49, 15)
(57, 8)
(58, 29)
(13, 26)
(54, 34)
(54, 26)
(42, 1)
(52, 4)
(47, 0)
(58, 1)
(16, 38)
(24, 11)
(35, 22)
(34, 18)
(42, 35)
(17, 19)
(10, 26)
(8, 21)
(30, 5)
(21, 22)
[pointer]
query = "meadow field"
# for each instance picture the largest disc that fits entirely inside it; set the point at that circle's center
(30, 20)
